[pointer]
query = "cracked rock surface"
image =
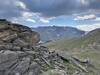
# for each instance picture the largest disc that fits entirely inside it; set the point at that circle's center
(20, 54)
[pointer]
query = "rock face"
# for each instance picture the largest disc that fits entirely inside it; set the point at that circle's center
(19, 54)
(17, 34)
(15, 38)
(31, 62)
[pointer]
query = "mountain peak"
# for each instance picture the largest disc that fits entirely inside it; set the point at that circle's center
(58, 32)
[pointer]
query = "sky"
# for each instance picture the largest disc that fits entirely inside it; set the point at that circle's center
(82, 14)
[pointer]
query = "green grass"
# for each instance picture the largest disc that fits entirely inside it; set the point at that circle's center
(68, 44)
(94, 56)
(74, 47)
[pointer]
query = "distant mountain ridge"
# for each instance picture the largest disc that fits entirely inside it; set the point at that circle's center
(48, 33)
(89, 41)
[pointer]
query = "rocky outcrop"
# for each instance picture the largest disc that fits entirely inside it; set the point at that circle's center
(31, 62)
(19, 54)
(14, 40)
(17, 34)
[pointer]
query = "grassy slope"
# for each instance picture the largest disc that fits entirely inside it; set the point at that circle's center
(90, 38)
(69, 45)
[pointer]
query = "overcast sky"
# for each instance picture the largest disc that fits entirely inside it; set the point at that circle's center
(83, 14)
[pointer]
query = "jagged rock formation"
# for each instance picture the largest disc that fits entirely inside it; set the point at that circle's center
(17, 34)
(19, 54)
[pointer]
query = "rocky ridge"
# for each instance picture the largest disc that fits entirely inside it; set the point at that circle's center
(20, 54)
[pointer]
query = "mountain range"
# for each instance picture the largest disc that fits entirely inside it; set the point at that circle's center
(90, 40)
(50, 33)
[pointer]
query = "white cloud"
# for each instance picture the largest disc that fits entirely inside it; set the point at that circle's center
(22, 20)
(21, 4)
(27, 14)
(97, 19)
(44, 20)
(31, 20)
(88, 27)
(83, 2)
(85, 17)
(14, 20)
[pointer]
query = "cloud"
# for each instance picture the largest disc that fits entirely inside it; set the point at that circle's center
(11, 8)
(97, 19)
(42, 11)
(44, 20)
(88, 27)
(27, 14)
(85, 17)
(49, 8)
(20, 4)
(31, 20)
(84, 2)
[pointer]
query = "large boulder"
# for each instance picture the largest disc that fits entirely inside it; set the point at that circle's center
(17, 34)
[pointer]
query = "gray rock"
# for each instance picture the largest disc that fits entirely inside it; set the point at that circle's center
(10, 38)
(7, 59)
(23, 66)
(34, 69)
(19, 54)
(9, 32)
(20, 42)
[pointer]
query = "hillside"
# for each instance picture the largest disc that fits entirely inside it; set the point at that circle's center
(87, 46)
(19, 55)
(89, 40)
(49, 33)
